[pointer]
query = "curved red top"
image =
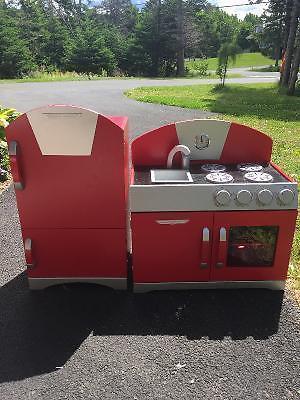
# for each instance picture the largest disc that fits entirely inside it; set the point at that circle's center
(229, 143)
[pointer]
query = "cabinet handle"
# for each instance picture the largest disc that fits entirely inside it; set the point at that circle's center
(222, 248)
(205, 250)
(28, 253)
(172, 221)
(14, 164)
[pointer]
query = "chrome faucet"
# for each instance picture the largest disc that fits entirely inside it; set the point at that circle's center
(185, 156)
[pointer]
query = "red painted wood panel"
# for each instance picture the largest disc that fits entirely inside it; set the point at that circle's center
(73, 191)
(77, 252)
(169, 253)
(245, 144)
(285, 220)
(152, 148)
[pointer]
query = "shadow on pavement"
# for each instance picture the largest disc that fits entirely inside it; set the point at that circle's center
(39, 331)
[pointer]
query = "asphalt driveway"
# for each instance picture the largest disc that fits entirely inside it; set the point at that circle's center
(106, 97)
(86, 342)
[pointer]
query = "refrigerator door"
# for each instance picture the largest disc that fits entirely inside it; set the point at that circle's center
(58, 189)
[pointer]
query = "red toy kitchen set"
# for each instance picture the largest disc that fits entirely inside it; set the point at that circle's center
(198, 204)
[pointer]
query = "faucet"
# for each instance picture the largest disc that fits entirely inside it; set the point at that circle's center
(185, 156)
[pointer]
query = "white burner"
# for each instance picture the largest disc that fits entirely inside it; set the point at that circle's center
(258, 177)
(249, 167)
(213, 167)
(219, 177)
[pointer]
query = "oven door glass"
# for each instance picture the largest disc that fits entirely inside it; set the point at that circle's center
(252, 246)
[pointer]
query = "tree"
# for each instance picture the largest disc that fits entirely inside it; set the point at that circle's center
(228, 51)
(246, 36)
(290, 43)
(113, 35)
(119, 13)
(215, 27)
(89, 53)
(146, 48)
(15, 57)
(273, 29)
(295, 66)
(180, 39)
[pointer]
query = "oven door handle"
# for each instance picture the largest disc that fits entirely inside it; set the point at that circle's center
(13, 149)
(221, 255)
(205, 248)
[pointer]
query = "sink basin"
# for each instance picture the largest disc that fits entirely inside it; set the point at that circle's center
(170, 176)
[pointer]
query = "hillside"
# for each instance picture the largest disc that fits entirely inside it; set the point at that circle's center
(243, 60)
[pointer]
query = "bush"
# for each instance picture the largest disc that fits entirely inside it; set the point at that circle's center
(198, 67)
(6, 116)
(270, 68)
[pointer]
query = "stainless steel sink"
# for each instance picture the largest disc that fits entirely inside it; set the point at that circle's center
(170, 176)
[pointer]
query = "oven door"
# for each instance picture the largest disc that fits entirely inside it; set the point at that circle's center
(252, 245)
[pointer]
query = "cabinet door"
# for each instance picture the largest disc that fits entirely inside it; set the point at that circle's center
(252, 245)
(76, 253)
(171, 246)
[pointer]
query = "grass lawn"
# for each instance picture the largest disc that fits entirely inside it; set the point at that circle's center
(54, 77)
(59, 77)
(256, 105)
(243, 60)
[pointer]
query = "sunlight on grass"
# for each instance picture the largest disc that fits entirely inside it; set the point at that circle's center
(41, 76)
(74, 76)
(256, 105)
(243, 60)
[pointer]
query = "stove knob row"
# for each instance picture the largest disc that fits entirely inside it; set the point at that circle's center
(265, 196)
(286, 196)
(244, 197)
(222, 197)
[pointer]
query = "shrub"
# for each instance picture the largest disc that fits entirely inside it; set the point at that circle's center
(6, 116)
(198, 67)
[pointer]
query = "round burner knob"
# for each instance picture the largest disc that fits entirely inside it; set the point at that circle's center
(265, 196)
(286, 196)
(222, 197)
(244, 196)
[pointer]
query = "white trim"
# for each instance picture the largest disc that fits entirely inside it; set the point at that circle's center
(202, 197)
(147, 287)
(216, 130)
(162, 181)
(172, 221)
(63, 130)
(42, 283)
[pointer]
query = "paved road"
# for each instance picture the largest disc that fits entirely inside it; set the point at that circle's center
(92, 343)
(107, 97)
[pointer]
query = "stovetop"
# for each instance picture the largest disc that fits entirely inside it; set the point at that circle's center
(216, 187)
(222, 175)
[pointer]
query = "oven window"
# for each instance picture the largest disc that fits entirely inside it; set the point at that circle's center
(252, 246)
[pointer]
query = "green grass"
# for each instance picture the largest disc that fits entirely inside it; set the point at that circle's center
(210, 75)
(243, 60)
(54, 77)
(73, 76)
(256, 105)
